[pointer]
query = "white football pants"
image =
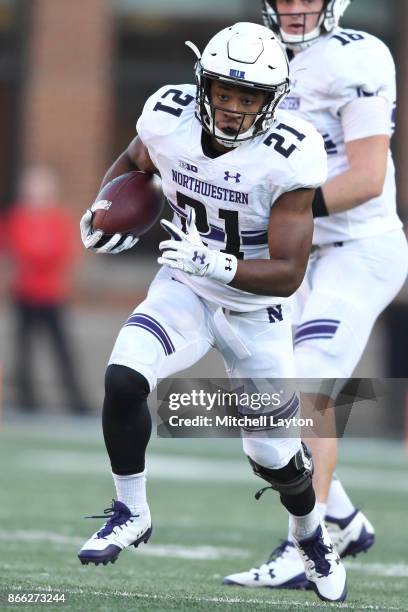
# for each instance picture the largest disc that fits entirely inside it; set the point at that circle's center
(173, 328)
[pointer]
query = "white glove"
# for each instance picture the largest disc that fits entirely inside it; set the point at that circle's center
(91, 237)
(186, 252)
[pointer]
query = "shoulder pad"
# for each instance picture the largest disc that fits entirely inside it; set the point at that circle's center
(351, 53)
(299, 142)
(164, 109)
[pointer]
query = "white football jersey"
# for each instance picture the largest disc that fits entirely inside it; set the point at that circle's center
(233, 193)
(325, 77)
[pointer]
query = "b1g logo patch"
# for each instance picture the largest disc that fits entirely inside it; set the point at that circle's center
(187, 166)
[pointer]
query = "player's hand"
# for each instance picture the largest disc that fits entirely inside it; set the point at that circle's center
(186, 252)
(95, 240)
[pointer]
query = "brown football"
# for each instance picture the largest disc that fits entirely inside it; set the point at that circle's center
(134, 203)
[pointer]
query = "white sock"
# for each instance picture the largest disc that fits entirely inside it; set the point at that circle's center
(302, 527)
(131, 490)
(290, 536)
(321, 508)
(339, 504)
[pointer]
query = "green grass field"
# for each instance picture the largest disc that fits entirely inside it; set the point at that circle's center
(206, 523)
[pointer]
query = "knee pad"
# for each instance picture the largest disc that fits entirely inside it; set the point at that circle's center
(270, 452)
(292, 479)
(123, 382)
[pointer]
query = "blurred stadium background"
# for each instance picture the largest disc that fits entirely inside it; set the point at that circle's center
(73, 79)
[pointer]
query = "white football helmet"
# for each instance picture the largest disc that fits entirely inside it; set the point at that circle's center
(329, 18)
(247, 55)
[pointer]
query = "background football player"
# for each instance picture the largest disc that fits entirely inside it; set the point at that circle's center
(249, 181)
(343, 81)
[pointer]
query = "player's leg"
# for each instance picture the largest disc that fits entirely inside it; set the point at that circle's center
(168, 332)
(350, 530)
(356, 283)
(335, 326)
(320, 408)
(326, 450)
(375, 268)
(282, 462)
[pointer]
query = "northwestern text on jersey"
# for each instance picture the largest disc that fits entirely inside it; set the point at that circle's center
(208, 190)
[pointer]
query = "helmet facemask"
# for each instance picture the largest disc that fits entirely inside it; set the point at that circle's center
(262, 119)
(327, 19)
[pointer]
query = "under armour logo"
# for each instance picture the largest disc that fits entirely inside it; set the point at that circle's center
(236, 177)
(275, 313)
(200, 257)
(229, 267)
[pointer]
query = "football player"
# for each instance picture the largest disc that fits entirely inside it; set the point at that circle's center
(343, 82)
(240, 177)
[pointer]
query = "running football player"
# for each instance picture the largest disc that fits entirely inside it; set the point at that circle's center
(240, 177)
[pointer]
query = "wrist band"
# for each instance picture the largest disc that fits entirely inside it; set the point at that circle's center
(225, 268)
(319, 207)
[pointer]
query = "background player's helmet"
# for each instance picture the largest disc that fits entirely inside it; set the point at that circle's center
(329, 18)
(246, 55)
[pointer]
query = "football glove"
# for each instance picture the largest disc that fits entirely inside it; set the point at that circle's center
(186, 252)
(95, 240)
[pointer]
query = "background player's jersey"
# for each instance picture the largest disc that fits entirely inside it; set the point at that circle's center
(337, 69)
(233, 193)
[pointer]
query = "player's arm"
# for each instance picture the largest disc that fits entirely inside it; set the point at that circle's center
(135, 157)
(366, 126)
(290, 234)
(364, 179)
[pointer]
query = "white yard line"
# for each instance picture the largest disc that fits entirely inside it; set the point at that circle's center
(186, 468)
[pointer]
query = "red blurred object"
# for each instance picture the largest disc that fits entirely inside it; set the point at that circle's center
(42, 244)
(136, 204)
